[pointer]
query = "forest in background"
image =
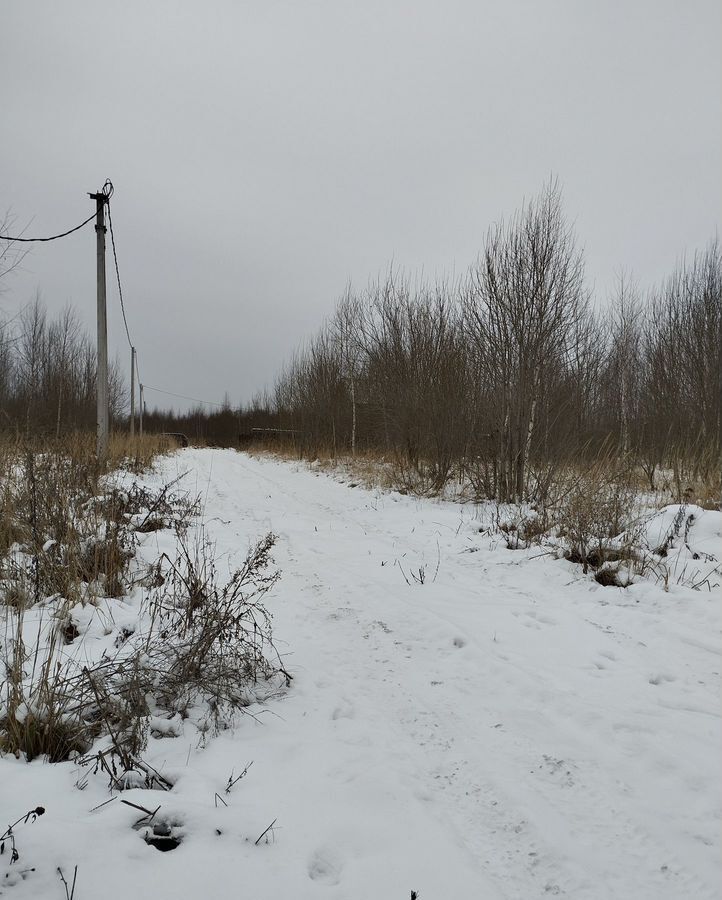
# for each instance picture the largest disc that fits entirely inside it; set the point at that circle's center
(500, 378)
(505, 375)
(48, 375)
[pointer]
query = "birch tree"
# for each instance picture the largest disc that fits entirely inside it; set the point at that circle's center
(522, 302)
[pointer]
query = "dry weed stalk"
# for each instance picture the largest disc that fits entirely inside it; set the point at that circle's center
(70, 538)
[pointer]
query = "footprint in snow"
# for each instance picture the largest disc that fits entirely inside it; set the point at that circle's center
(344, 711)
(661, 677)
(536, 620)
(325, 866)
(13, 877)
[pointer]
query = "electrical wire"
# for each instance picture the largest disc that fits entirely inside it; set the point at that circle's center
(117, 275)
(147, 387)
(5, 237)
(107, 191)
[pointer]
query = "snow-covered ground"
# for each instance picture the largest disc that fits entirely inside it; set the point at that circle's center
(464, 721)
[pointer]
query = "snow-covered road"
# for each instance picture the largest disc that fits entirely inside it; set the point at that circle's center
(507, 728)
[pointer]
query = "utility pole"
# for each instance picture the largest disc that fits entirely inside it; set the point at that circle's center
(142, 407)
(132, 391)
(103, 420)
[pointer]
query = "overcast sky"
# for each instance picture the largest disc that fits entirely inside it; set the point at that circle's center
(265, 153)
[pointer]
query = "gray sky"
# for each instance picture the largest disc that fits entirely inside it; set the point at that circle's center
(265, 153)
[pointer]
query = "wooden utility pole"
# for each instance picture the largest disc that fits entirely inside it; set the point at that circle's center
(142, 407)
(103, 418)
(132, 391)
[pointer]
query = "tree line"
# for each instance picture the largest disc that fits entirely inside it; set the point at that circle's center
(48, 375)
(500, 377)
(511, 371)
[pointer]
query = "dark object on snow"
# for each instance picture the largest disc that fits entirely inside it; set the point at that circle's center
(164, 844)
(162, 837)
(70, 631)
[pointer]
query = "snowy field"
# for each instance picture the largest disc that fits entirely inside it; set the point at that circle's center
(464, 721)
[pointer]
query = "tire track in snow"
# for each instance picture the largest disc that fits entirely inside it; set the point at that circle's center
(523, 857)
(528, 835)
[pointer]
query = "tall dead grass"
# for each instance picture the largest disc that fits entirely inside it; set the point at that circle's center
(69, 537)
(63, 541)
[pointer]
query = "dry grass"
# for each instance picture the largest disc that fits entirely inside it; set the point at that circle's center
(137, 454)
(58, 547)
(69, 538)
(367, 469)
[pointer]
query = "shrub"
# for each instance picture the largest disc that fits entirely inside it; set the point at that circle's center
(594, 511)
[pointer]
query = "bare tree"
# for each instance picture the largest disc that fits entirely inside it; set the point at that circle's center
(510, 374)
(11, 256)
(522, 303)
(346, 330)
(683, 347)
(623, 370)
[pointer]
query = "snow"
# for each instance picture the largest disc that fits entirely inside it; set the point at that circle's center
(464, 720)
(691, 538)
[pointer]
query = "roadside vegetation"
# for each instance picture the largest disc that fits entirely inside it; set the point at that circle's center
(510, 376)
(514, 385)
(507, 378)
(173, 639)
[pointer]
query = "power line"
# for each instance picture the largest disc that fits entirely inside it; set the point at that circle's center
(147, 387)
(107, 191)
(5, 237)
(117, 275)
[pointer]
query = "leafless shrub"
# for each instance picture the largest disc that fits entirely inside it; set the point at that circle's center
(39, 706)
(595, 510)
(214, 636)
(523, 528)
(71, 542)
